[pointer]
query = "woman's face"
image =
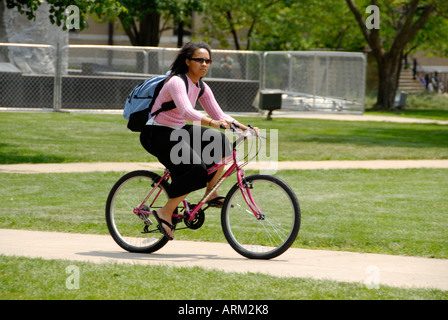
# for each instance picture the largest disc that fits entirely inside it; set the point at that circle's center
(196, 68)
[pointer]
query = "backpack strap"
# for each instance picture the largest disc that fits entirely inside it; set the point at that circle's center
(155, 95)
(201, 85)
(183, 76)
(170, 104)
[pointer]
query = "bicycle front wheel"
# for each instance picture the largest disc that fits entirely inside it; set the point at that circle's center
(132, 232)
(277, 228)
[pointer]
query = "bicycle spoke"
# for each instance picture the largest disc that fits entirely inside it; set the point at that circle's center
(130, 231)
(275, 231)
(271, 238)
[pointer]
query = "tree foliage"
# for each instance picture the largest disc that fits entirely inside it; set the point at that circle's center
(140, 18)
(239, 19)
(57, 9)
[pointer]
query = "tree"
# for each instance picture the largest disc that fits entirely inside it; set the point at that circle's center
(307, 24)
(281, 24)
(180, 12)
(57, 9)
(141, 21)
(237, 18)
(140, 18)
(400, 23)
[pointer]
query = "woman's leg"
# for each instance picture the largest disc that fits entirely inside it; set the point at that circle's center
(186, 177)
(212, 182)
(217, 148)
(166, 213)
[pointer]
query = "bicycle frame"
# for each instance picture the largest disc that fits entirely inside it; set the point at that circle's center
(244, 188)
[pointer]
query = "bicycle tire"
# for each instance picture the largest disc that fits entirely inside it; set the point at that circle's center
(265, 238)
(124, 226)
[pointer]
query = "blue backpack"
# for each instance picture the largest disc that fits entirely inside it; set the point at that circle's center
(137, 109)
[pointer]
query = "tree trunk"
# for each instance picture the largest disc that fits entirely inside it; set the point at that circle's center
(149, 30)
(388, 74)
(180, 34)
(233, 30)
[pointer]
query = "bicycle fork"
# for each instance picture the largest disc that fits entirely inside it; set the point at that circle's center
(245, 188)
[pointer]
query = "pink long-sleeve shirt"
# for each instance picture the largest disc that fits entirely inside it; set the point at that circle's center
(176, 90)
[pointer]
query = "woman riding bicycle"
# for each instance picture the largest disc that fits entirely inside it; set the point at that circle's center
(161, 134)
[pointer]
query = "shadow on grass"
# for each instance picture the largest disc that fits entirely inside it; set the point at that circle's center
(11, 154)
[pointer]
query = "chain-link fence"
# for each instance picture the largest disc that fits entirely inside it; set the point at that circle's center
(101, 77)
(317, 81)
(27, 75)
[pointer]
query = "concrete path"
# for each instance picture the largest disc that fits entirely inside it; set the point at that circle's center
(282, 165)
(356, 117)
(367, 269)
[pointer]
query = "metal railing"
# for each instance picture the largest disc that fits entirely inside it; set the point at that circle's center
(101, 77)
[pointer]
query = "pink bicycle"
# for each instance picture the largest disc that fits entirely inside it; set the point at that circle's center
(260, 216)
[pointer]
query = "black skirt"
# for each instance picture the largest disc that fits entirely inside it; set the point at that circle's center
(187, 153)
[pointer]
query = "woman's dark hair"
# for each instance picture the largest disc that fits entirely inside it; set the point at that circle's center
(179, 66)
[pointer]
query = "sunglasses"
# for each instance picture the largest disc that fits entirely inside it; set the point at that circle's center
(201, 60)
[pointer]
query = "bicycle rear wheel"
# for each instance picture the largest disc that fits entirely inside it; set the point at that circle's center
(271, 235)
(131, 232)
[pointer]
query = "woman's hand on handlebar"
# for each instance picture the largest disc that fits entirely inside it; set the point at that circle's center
(243, 127)
(227, 124)
(221, 124)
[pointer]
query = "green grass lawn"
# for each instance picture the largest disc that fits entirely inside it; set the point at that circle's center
(65, 137)
(37, 279)
(401, 212)
(414, 113)
(423, 105)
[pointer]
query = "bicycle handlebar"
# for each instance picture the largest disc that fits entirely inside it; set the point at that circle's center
(243, 135)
